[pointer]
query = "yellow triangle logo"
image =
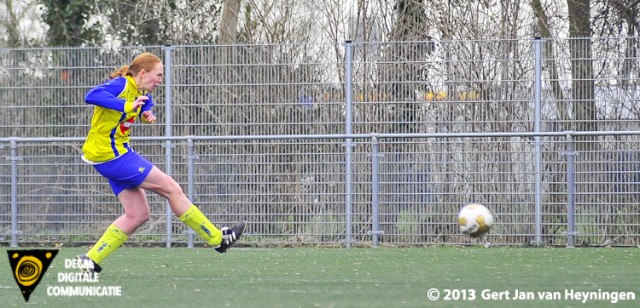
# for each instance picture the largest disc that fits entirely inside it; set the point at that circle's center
(29, 266)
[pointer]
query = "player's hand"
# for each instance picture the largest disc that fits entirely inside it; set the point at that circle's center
(148, 117)
(139, 102)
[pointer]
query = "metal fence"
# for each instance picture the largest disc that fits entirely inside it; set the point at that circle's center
(339, 144)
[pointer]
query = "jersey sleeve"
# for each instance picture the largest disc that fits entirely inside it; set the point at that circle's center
(148, 104)
(106, 94)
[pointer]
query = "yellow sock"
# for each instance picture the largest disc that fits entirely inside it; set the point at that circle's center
(108, 243)
(199, 223)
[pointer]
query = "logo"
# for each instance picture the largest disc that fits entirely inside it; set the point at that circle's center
(81, 284)
(141, 169)
(29, 266)
(102, 247)
(126, 125)
(203, 228)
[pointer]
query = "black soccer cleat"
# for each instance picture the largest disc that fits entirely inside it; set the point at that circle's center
(230, 236)
(88, 266)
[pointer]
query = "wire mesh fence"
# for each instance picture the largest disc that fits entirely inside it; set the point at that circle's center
(299, 191)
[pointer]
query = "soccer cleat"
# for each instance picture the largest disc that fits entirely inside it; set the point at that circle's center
(88, 266)
(230, 236)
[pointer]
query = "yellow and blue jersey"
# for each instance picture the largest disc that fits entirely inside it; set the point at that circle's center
(113, 118)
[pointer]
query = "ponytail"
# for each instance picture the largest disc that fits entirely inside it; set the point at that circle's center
(122, 71)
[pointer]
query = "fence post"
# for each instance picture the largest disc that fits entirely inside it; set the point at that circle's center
(168, 133)
(571, 153)
(348, 143)
(537, 140)
(14, 193)
(190, 185)
(375, 192)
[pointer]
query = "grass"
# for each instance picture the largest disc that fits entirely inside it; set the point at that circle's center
(339, 277)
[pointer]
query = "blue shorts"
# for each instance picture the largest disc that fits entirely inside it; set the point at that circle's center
(127, 171)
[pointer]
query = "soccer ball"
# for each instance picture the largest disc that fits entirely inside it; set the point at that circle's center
(475, 220)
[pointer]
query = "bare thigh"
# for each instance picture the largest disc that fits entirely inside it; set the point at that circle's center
(161, 183)
(164, 185)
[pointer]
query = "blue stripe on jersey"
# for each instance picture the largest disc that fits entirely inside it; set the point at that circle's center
(113, 142)
(112, 136)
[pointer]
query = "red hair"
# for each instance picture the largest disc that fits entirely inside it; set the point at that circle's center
(144, 61)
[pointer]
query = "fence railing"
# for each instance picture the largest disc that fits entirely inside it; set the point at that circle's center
(407, 198)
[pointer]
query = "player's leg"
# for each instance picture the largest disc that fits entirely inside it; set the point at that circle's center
(136, 210)
(136, 213)
(125, 175)
(188, 213)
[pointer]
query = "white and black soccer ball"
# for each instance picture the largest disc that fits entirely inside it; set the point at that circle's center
(475, 220)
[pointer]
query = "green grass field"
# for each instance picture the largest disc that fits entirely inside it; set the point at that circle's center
(355, 277)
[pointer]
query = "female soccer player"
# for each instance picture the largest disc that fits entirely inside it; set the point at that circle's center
(118, 102)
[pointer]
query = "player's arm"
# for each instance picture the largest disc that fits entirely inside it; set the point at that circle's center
(106, 95)
(146, 114)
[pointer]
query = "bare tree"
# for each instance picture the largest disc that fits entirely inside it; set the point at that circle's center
(581, 64)
(229, 22)
(619, 17)
(160, 22)
(21, 23)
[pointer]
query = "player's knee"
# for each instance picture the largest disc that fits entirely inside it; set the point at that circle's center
(138, 219)
(173, 188)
